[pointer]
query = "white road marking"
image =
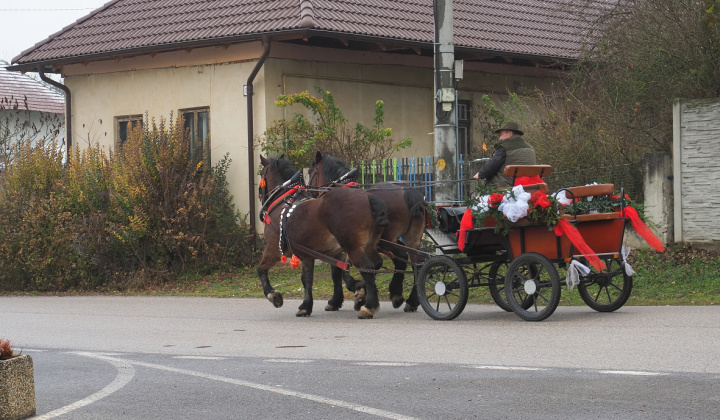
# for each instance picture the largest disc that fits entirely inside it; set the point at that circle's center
(398, 364)
(505, 368)
(309, 397)
(287, 361)
(126, 372)
(199, 357)
(631, 372)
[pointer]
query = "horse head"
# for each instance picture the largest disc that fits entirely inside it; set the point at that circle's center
(327, 169)
(276, 174)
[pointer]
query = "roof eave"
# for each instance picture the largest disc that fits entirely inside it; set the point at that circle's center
(55, 65)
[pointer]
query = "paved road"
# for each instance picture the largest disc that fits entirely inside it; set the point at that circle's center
(177, 357)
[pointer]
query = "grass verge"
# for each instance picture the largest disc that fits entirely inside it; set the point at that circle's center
(683, 275)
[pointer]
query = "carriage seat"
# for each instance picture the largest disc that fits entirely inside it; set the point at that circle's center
(528, 170)
(516, 171)
(591, 191)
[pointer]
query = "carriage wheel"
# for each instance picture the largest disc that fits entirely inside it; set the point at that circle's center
(442, 288)
(532, 287)
(496, 285)
(607, 290)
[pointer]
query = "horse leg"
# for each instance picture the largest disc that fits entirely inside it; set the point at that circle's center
(358, 288)
(355, 286)
(413, 239)
(268, 260)
(306, 307)
(412, 302)
(396, 283)
(338, 297)
(372, 303)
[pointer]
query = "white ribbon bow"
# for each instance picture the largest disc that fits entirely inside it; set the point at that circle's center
(574, 271)
(625, 251)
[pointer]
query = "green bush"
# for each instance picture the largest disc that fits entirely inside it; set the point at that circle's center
(133, 219)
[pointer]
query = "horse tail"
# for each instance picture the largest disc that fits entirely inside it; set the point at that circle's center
(379, 210)
(415, 202)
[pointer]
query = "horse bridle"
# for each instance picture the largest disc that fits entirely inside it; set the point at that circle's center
(267, 199)
(348, 177)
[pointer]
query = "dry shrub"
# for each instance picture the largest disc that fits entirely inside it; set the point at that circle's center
(6, 351)
(131, 220)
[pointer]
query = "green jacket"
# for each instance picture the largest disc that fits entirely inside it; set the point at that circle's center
(511, 151)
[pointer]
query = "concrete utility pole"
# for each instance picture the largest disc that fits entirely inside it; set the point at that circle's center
(445, 104)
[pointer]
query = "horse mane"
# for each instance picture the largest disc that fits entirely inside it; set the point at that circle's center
(333, 167)
(285, 168)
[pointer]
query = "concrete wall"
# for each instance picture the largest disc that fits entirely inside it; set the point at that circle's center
(696, 163)
(658, 191)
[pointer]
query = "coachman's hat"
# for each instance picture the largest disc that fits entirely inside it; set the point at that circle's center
(510, 126)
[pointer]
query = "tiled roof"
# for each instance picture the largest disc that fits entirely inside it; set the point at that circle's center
(540, 28)
(28, 94)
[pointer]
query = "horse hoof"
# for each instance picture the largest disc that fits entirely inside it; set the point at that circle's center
(410, 308)
(302, 312)
(331, 308)
(359, 299)
(366, 313)
(276, 299)
(397, 301)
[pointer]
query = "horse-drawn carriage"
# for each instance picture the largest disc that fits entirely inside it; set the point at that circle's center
(519, 265)
(516, 261)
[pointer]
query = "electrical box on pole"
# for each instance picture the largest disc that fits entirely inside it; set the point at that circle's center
(446, 168)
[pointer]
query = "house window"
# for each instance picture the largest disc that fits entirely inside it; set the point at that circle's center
(124, 126)
(464, 116)
(197, 129)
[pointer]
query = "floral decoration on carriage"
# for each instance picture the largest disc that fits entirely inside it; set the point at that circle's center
(503, 209)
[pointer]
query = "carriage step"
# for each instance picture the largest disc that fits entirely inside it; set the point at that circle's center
(444, 240)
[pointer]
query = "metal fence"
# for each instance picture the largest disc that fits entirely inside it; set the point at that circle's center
(420, 173)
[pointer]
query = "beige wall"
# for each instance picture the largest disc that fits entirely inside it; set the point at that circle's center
(406, 91)
(214, 76)
(407, 95)
(161, 88)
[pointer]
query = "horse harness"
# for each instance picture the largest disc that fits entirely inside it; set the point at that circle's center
(290, 200)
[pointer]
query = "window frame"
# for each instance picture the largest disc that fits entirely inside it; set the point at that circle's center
(131, 119)
(196, 127)
(464, 129)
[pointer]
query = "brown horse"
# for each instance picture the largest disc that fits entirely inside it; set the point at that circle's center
(406, 211)
(347, 221)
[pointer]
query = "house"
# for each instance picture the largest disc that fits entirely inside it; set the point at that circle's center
(199, 59)
(29, 109)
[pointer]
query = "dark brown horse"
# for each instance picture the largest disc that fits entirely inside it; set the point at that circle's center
(406, 211)
(346, 221)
